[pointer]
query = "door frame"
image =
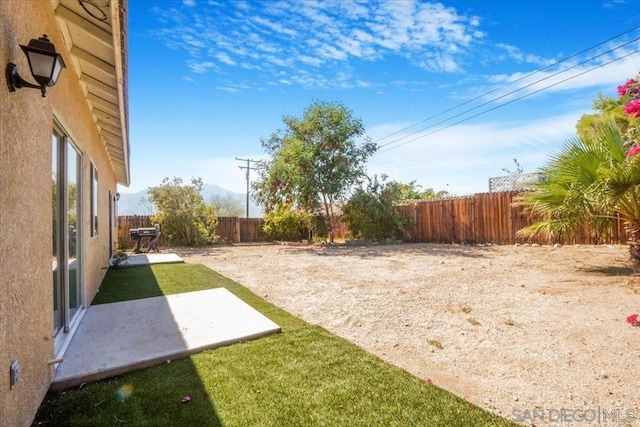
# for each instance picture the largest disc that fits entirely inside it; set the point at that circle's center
(69, 325)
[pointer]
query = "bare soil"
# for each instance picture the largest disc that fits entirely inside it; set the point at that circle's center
(513, 329)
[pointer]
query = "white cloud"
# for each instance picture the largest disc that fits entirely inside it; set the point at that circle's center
(233, 87)
(567, 77)
(224, 58)
(439, 62)
(320, 36)
(461, 159)
(228, 89)
(331, 52)
(310, 60)
(278, 28)
(193, 43)
(362, 36)
(202, 67)
(514, 52)
(354, 9)
(323, 37)
(277, 60)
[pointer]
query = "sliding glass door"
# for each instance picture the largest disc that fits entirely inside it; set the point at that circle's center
(67, 232)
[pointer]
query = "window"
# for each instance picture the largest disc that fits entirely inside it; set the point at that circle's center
(94, 200)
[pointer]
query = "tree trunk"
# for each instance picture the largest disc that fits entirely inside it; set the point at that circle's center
(332, 220)
(329, 215)
(633, 239)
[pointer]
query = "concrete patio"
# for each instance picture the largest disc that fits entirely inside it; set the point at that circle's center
(146, 259)
(116, 338)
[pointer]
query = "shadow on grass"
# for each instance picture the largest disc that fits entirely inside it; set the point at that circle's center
(123, 284)
(151, 396)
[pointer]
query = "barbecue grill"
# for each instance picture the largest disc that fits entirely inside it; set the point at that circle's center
(139, 234)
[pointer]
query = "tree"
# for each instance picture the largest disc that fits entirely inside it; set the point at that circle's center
(371, 212)
(315, 161)
(413, 191)
(608, 109)
(226, 205)
(182, 212)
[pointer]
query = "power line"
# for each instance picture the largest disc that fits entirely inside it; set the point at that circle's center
(248, 168)
(513, 91)
(508, 84)
(506, 103)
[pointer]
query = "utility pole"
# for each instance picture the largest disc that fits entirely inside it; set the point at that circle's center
(248, 168)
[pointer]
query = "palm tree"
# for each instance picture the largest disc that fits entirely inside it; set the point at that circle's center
(590, 179)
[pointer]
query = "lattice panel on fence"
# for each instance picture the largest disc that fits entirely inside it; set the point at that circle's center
(514, 182)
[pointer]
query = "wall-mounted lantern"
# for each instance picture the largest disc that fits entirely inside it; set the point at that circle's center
(45, 64)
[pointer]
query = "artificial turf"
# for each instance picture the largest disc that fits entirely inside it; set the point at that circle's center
(302, 376)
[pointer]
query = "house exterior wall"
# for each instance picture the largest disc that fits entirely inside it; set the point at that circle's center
(26, 127)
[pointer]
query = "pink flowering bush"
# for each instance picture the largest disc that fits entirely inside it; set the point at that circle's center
(632, 109)
(632, 319)
(629, 99)
(630, 88)
(633, 151)
(629, 94)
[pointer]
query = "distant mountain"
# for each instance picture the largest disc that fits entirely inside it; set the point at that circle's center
(133, 203)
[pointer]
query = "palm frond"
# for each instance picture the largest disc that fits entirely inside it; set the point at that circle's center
(586, 182)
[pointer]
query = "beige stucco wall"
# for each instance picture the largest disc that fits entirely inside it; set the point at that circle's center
(26, 125)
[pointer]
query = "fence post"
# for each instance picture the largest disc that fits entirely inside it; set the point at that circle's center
(473, 220)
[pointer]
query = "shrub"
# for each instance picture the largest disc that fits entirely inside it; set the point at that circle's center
(119, 258)
(286, 224)
(184, 216)
(371, 212)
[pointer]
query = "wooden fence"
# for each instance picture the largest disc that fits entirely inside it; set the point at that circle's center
(234, 229)
(230, 229)
(481, 218)
(489, 218)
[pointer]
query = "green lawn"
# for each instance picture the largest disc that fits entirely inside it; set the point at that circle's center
(303, 376)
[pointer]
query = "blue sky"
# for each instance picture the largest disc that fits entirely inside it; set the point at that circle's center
(209, 79)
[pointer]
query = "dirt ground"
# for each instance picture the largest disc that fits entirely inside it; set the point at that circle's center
(522, 331)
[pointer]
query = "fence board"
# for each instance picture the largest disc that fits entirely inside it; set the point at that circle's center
(251, 229)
